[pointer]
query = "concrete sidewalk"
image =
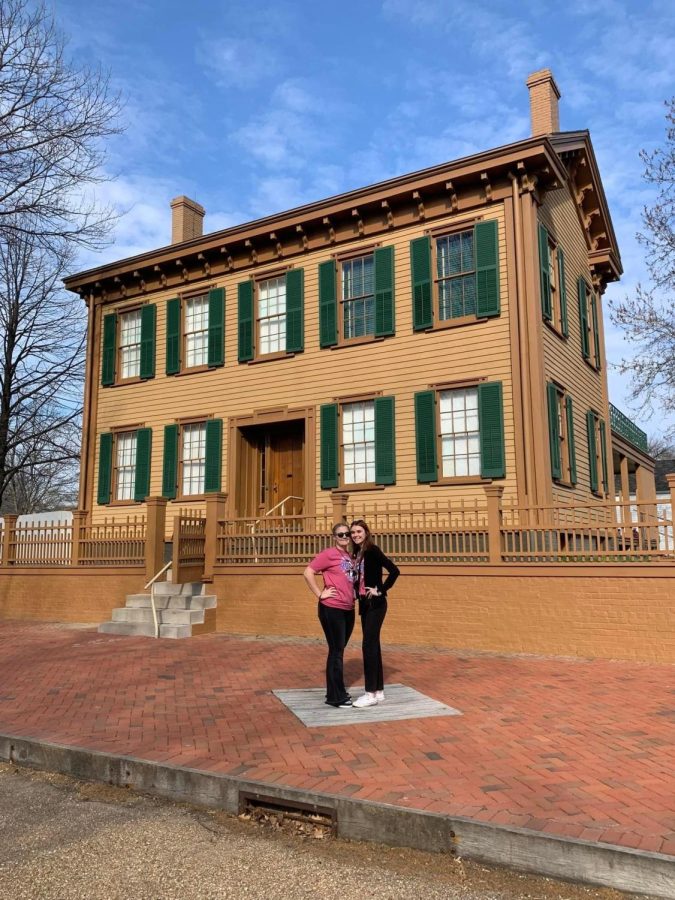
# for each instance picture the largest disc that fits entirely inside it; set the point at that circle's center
(578, 751)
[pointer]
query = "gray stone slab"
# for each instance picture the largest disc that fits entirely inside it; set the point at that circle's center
(401, 702)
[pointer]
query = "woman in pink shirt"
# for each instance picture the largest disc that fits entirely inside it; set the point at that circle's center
(336, 608)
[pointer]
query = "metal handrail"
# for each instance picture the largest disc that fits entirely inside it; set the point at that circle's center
(151, 585)
(252, 526)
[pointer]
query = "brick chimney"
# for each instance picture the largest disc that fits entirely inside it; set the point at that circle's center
(544, 96)
(187, 220)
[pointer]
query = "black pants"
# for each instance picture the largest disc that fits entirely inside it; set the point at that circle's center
(372, 617)
(337, 625)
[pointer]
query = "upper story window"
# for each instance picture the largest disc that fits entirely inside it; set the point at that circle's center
(588, 322)
(456, 275)
(196, 331)
(459, 432)
(130, 344)
(358, 297)
(561, 435)
(553, 288)
(272, 315)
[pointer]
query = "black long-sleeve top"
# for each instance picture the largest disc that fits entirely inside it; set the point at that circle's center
(374, 561)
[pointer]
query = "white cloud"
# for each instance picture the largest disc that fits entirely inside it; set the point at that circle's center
(242, 62)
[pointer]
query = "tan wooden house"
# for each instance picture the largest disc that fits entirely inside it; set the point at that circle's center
(412, 340)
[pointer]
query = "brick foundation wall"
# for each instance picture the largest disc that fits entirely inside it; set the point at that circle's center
(66, 594)
(611, 612)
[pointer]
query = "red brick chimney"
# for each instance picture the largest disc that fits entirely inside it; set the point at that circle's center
(544, 96)
(187, 220)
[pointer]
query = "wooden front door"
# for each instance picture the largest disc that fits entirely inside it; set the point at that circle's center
(271, 469)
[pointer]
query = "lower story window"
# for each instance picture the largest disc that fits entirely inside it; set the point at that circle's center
(460, 432)
(358, 442)
(125, 465)
(193, 458)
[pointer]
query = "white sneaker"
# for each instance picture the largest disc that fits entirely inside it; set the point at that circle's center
(364, 701)
(379, 696)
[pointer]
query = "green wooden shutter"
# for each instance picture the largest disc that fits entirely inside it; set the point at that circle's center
(569, 410)
(143, 457)
(109, 349)
(329, 446)
(553, 430)
(583, 318)
(212, 466)
(545, 274)
(295, 311)
(562, 288)
(245, 312)
(385, 442)
(105, 468)
(170, 462)
(148, 323)
(491, 424)
(487, 268)
(384, 291)
(216, 345)
(592, 450)
(173, 336)
(425, 436)
(596, 334)
(420, 268)
(328, 335)
(603, 457)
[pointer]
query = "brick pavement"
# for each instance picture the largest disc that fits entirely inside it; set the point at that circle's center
(572, 748)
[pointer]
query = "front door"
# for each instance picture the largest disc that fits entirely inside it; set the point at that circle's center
(270, 476)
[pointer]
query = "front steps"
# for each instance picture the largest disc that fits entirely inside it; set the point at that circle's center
(182, 611)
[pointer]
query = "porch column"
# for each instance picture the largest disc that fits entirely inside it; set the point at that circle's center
(625, 489)
(339, 508)
(79, 519)
(8, 531)
(646, 485)
(154, 535)
(215, 512)
(493, 494)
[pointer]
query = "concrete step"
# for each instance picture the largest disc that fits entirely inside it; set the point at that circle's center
(175, 631)
(189, 589)
(166, 601)
(129, 628)
(181, 616)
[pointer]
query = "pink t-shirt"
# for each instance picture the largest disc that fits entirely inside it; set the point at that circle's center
(336, 568)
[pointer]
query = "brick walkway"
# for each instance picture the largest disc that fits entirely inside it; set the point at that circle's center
(571, 748)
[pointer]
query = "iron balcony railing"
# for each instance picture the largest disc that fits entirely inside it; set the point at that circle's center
(623, 426)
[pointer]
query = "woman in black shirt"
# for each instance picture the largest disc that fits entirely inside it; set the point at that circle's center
(371, 591)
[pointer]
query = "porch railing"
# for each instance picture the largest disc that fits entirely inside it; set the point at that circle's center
(621, 424)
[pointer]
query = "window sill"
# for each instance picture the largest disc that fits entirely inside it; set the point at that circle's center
(556, 331)
(592, 366)
(356, 342)
(188, 498)
(117, 503)
(271, 357)
(456, 323)
(465, 479)
(195, 370)
(353, 488)
(568, 485)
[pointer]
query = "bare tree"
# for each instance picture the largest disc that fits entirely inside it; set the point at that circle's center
(54, 118)
(648, 318)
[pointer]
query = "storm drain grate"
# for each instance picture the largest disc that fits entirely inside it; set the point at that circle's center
(261, 805)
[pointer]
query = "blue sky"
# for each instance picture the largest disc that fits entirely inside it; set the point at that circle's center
(255, 107)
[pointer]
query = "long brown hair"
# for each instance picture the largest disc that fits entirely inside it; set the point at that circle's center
(368, 542)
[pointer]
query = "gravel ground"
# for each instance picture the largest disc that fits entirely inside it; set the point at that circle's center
(63, 839)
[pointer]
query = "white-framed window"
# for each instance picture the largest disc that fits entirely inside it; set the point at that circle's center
(193, 458)
(460, 432)
(130, 344)
(196, 331)
(358, 442)
(358, 296)
(456, 275)
(272, 315)
(125, 465)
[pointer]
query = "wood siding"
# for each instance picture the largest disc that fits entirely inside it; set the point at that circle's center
(397, 366)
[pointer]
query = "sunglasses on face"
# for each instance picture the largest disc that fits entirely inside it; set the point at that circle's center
(342, 534)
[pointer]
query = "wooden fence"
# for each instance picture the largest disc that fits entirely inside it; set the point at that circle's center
(189, 543)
